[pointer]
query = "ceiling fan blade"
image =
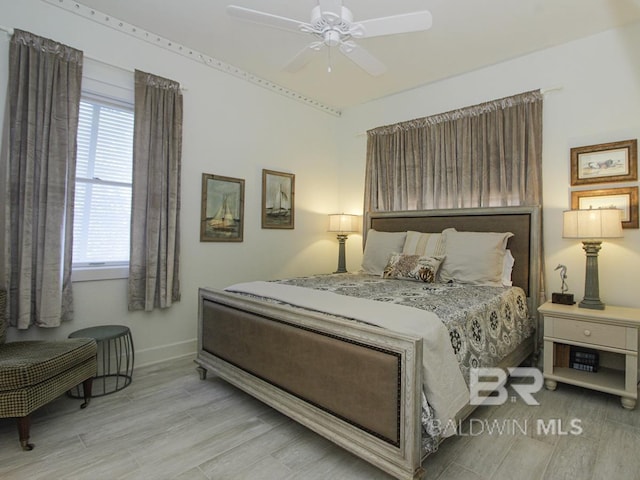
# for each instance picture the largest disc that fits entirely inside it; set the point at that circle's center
(404, 23)
(267, 19)
(303, 57)
(363, 59)
(333, 7)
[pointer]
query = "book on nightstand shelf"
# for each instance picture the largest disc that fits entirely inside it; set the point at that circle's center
(584, 359)
(578, 358)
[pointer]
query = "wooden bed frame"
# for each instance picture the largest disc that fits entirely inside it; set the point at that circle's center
(357, 385)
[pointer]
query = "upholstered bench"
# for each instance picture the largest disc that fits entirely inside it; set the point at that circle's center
(33, 373)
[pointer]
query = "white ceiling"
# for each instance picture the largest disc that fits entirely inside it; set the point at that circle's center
(466, 35)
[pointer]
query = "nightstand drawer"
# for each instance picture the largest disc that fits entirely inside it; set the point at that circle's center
(588, 332)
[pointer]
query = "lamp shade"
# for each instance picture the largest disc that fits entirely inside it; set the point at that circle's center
(593, 223)
(343, 223)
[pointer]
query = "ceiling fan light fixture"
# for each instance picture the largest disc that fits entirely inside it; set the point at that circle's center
(332, 38)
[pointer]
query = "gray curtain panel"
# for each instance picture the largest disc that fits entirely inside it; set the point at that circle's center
(480, 156)
(155, 211)
(44, 101)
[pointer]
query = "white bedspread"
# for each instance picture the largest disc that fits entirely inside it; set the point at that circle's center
(443, 384)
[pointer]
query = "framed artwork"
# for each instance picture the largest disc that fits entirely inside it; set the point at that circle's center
(605, 163)
(278, 199)
(222, 211)
(626, 199)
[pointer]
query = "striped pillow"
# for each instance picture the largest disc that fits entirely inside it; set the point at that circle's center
(423, 244)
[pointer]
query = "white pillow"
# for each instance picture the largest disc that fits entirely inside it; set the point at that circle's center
(474, 257)
(423, 244)
(378, 249)
(507, 268)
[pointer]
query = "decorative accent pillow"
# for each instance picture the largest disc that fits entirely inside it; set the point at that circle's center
(412, 267)
(378, 249)
(474, 257)
(425, 244)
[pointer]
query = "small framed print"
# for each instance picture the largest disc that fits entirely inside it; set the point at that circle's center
(605, 163)
(625, 199)
(278, 199)
(222, 211)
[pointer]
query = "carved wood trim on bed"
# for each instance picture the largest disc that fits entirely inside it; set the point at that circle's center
(243, 339)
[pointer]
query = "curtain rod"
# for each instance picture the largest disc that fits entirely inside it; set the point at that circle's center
(124, 69)
(550, 89)
(9, 31)
(543, 91)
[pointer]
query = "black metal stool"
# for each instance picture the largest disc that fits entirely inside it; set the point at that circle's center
(115, 358)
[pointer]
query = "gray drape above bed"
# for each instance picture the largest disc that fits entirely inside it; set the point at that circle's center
(480, 156)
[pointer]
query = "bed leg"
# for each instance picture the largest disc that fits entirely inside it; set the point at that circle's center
(202, 372)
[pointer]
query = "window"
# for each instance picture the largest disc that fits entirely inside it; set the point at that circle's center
(103, 183)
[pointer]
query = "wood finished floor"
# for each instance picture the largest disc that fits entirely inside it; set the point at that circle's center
(168, 424)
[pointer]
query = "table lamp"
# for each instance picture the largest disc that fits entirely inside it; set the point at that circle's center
(591, 226)
(343, 224)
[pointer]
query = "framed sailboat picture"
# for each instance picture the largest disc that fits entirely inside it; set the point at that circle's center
(278, 195)
(222, 212)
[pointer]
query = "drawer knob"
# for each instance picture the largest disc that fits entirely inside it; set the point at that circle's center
(587, 333)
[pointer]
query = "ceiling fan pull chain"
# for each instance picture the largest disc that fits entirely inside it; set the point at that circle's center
(329, 59)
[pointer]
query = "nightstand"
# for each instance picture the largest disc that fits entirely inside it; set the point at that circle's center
(612, 332)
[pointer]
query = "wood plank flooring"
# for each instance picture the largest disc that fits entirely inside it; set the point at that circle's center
(168, 424)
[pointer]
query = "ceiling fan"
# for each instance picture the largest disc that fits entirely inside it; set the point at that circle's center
(332, 26)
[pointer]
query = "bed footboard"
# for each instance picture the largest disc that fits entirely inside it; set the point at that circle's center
(357, 385)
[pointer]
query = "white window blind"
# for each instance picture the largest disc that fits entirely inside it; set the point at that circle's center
(103, 183)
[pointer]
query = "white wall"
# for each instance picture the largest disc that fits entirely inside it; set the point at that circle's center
(231, 128)
(235, 128)
(599, 102)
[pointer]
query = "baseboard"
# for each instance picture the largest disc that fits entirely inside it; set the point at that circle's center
(149, 356)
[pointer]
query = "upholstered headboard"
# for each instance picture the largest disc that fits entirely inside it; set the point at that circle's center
(523, 222)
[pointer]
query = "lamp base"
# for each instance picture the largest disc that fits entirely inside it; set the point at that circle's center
(342, 267)
(593, 304)
(563, 298)
(591, 288)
